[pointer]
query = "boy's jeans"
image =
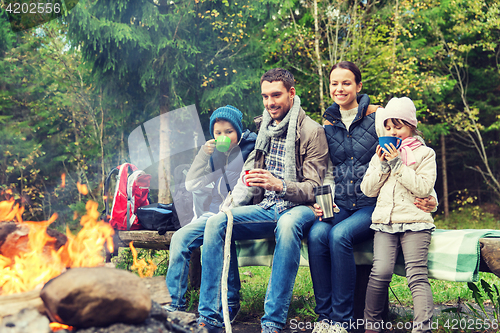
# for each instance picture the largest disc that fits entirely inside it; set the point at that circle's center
(183, 242)
(254, 222)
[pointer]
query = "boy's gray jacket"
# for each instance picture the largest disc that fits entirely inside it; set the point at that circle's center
(311, 159)
(207, 169)
(395, 202)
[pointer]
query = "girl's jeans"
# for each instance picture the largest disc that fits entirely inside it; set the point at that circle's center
(331, 261)
(254, 222)
(415, 246)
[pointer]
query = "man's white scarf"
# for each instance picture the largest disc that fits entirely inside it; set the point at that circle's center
(289, 124)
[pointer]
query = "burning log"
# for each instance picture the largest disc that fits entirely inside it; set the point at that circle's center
(14, 237)
(31, 254)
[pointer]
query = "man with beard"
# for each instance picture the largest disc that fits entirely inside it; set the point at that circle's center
(289, 160)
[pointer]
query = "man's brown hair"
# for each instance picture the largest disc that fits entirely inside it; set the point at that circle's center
(279, 74)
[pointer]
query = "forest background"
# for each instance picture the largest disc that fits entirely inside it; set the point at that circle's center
(73, 89)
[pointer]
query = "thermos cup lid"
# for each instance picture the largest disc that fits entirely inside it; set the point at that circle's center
(320, 190)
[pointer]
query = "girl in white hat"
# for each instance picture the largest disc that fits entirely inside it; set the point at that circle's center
(397, 176)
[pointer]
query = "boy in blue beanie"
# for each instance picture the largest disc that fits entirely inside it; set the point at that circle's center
(228, 114)
(223, 169)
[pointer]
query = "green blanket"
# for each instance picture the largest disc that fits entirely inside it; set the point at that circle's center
(454, 255)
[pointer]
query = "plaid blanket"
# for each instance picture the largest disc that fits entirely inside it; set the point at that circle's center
(454, 255)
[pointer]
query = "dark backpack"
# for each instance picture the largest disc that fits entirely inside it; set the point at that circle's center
(182, 196)
(159, 217)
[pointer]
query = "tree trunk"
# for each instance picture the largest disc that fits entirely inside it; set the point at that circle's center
(395, 39)
(79, 166)
(101, 141)
(318, 57)
(164, 173)
(445, 178)
(122, 140)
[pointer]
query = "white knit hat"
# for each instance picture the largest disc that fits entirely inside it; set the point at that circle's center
(401, 108)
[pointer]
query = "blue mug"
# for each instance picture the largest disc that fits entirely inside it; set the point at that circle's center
(383, 140)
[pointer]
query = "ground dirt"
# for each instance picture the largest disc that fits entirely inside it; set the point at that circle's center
(251, 324)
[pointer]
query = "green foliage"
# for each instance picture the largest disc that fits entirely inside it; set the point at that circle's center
(73, 89)
(468, 216)
(160, 258)
(124, 260)
(491, 291)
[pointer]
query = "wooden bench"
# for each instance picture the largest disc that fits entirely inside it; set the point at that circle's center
(489, 260)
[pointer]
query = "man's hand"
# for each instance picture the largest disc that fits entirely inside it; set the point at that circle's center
(427, 204)
(263, 178)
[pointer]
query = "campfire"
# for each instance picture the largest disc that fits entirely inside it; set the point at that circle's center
(30, 256)
(38, 263)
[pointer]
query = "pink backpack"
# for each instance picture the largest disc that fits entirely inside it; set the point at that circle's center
(131, 192)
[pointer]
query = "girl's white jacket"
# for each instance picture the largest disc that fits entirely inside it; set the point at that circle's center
(398, 189)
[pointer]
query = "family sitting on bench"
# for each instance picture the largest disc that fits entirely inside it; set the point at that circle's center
(382, 191)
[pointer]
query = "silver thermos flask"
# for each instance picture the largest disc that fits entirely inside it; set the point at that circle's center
(324, 198)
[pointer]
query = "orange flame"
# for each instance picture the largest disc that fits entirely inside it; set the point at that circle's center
(55, 326)
(63, 180)
(82, 188)
(7, 210)
(84, 249)
(37, 261)
(143, 269)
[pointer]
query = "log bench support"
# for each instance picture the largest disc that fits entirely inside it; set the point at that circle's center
(490, 261)
(146, 239)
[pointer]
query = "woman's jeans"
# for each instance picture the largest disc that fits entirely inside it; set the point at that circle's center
(331, 261)
(415, 246)
(254, 222)
(183, 242)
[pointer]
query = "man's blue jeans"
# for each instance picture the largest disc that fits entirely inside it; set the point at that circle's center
(331, 261)
(183, 242)
(253, 222)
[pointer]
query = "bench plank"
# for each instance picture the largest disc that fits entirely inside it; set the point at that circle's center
(145, 239)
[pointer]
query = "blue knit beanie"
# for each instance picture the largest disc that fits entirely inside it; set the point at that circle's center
(228, 113)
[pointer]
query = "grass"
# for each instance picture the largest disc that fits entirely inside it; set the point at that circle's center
(468, 217)
(253, 291)
(254, 283)
(444, 292)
